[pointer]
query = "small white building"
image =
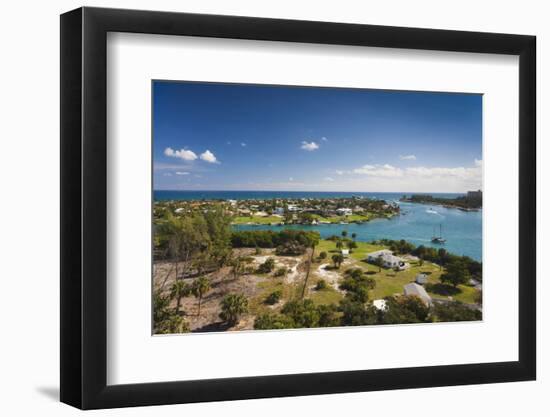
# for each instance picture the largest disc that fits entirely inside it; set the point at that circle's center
(345, 252)
(279, 210)
(389, 260)
(418, 290)
(293, 207)
(344, 211)
(421, 279)
(179, 210)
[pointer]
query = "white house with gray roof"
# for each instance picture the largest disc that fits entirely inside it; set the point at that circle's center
(389, 260)
(418, 290)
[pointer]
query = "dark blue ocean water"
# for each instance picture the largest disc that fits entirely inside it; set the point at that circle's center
(416, 224)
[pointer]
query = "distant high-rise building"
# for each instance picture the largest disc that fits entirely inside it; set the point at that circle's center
(474, 195)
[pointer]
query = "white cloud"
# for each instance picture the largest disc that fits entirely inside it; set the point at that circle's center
(478, 162)
(182, 173)
(167, 174)
(209, 157)
(243, 144)
(185, 154)
(340, 172)
(229, 142)
(324, 139)
(291, 179)
(379, 171)
(419, 178)
(330, 179)
(309, 146)
(407, 157)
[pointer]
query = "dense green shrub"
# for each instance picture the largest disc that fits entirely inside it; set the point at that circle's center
(272, 239)
(274, 297)
(267, 266)
(321, 285)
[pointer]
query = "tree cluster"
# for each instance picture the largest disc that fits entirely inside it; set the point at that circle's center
(273, 239)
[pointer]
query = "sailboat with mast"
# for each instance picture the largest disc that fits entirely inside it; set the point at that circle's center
(439, 239)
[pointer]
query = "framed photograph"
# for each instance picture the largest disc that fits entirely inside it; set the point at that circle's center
(258, 208)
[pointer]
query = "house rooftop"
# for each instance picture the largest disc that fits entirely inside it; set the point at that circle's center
(417, 290)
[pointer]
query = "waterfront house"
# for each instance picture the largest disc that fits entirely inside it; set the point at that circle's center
(389, 260)
(418, 290)
(344, 211)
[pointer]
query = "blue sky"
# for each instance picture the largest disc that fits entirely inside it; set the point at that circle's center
(209, 136)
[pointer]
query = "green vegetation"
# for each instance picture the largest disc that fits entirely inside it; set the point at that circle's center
(166, 320)
(291, 248)
(357, 284)
(281, 272)
(388, 282)
(325, 296)
(456, 311)
(405, 310)
(271, 239)
(439, 256)
(267, 266)
(178, 291)
(233, 306)
(274, 297)
(200, 287)
(337, 259)
(256, 219)
(473, 201)
(321, 285)
(197, 250)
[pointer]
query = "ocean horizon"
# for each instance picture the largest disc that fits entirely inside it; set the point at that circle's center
(167, 195)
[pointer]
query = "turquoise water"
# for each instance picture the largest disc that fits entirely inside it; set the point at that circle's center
(416, 224)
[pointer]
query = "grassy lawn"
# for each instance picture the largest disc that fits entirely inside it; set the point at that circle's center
(388, 282)
(256, 219)
(338, 219)
(326, 296)
(360, 253)
(257, 304)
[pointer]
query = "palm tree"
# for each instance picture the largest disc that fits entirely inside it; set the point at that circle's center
(339, 244)
(238, 265)
(179, 290)
(337, 259)
(200, 287)
(353, 236)
(344, 233)
(233, 305)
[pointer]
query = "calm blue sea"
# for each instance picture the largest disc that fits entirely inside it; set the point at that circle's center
(416, 224)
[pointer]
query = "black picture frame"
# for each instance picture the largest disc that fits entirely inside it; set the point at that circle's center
(84, 207)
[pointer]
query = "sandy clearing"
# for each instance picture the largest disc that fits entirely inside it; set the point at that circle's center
(331, 277)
